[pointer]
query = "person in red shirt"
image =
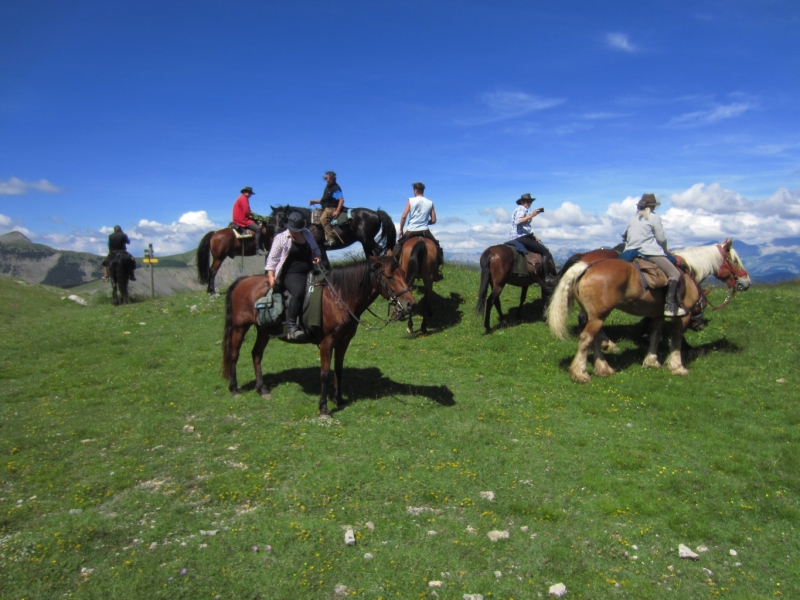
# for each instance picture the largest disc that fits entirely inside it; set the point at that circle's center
(241, 216)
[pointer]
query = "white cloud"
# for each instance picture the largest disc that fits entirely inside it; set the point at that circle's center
(5, 221)
(619, 41)
(17, 187)
(713, 199)
(502, 106)
(498, 213)
(714, 114)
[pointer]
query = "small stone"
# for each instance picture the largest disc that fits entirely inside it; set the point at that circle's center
(368, 556)
(434, 584)
(733, 552)
(524, 528)
(349, 537)
(487, 496)
(188, 428)
(498, 574)
(153, 545)
(685, 552)
(738, 564)
(634, 547)
(708, 572)
(702, 548)
(193, 308)
(471, 529)
(472, 597)
(203, 546)
(78, 300)
(781, 380)
(558, 590)
(670, 568)
(498, 535)
(212, 532)
(340, 590)
(75, 511)
(431, 532)
(370, 525)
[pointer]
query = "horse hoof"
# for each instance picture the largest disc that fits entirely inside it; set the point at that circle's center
(325, 416)
(266, 395)
(680, 371)
(581, 377)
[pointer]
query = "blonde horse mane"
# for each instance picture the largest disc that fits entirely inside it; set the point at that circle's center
(706, 260)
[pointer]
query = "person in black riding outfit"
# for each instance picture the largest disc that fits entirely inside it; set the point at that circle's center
(118, 244)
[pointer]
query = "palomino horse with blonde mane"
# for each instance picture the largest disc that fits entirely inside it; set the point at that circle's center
(604, 284)
(348, 292)
(418, 258)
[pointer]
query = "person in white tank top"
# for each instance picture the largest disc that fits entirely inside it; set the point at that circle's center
(420, 213)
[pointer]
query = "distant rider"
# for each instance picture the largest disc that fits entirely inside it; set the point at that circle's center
(645, 234)
(241, 216)
(522, 232)
(293, 254)
(420, 213)
(331, 203)
(118, 244)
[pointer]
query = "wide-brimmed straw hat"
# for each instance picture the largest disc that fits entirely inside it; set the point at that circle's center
(296, 222)
(525, 198)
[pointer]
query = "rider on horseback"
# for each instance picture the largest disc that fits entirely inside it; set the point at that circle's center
(118, 244)
(331, 203)
(293, 254)
(645, 234)
(522, 233)
(420, 213)
(241, 216)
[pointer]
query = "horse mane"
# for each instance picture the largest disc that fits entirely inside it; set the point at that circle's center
(306, 212)
(706, 260)
(350, 280)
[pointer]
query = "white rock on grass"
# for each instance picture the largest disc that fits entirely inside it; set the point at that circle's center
(708, 572)
(431, 532)
(472, 597)
(340, 590)
(434, 584)
(558, 590)
(733, 552)
(685, 552)
(702, 548)
(212, 532)
(487, 496)
(370, 525)
(498, 574)
(368, 556)
(498, 535)
(78, 300)
(349, 537)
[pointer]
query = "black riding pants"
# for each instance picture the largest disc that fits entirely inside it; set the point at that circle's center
(254, 227)
(295, 283)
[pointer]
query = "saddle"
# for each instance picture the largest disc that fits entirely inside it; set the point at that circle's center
(653, 276)
(526, 263)
(240, 232)
(271, 309)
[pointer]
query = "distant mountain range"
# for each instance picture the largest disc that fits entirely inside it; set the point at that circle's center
(778, 260)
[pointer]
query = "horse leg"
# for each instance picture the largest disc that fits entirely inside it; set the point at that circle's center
(577, 370)
(494, 300)
(262, 340)
(338, 369)
(601, 366)
(213, 274)
(651, 360)
(410, 326)
(675, 360)
(523, 294)
(425, 308)
(325, 351)
(237, 337)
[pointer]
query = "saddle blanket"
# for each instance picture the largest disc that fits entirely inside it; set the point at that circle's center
(527, 263)
(271, 310)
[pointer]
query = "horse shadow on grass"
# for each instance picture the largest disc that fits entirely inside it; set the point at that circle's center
(637, 333)
(531, 312)
(360, 384)
(447, 312)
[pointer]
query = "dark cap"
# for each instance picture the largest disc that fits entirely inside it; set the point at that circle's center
(418, 185)
(525, 198)
(647, 200)
(249, 190)
(295, 222)
(329, 174)
(117, 228)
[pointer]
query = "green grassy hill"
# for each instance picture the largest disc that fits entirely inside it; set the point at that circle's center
(130, 472)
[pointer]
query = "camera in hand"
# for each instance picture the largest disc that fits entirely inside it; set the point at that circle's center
(541, 209)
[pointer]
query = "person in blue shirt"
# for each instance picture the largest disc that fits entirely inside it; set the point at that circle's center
(331, 203)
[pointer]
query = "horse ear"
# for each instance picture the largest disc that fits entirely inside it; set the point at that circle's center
(376, 263)
(728, 243)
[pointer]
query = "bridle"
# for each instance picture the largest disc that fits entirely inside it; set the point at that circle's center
(728, 273)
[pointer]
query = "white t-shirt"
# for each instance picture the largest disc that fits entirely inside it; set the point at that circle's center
(419, 213)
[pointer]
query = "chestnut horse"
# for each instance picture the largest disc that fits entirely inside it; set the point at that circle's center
(418, 258)
(497, 270)
(224, 244)
(374, 229)
(600, 287)
(349, 292)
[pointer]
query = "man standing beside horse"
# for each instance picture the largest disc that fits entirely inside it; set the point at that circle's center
(420, 213)
(118, 244)
(331, 203)
(241, 216)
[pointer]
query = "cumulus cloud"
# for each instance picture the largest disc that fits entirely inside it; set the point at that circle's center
(18, 187)
(619, 41)
(5, 222)
(713, 199)
(501, 106)
(498, 214)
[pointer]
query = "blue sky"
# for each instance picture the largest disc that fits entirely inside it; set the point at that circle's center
(153, 115)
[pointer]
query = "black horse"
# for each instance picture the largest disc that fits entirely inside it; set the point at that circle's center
(373, 228)
(120, 268)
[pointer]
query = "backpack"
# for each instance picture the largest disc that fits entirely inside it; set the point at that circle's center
(270, 309)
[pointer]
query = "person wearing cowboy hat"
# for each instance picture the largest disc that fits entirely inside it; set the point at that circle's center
(331, 203)
(645, 234)
(522, 233)
(241, 216)
(293, 254)
(420, 213)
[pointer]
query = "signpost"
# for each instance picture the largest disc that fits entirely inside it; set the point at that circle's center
(149, 258)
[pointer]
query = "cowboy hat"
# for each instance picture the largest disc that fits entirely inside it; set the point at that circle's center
(525, 198)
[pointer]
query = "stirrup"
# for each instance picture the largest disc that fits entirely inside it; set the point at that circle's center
(678, 311)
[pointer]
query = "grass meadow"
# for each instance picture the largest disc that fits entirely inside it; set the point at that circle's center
(129, 471)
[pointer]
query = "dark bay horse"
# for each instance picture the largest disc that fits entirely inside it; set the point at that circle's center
(120, 267)
(497, 270)
(223, 244)
(600, 287)
(349, 292)
(374, 229)
(419, 260)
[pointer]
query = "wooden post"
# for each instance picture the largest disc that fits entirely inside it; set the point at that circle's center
(152, 287)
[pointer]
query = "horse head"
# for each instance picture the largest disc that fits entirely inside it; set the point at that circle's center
(732, 271)
(280, 215)
(392, 285)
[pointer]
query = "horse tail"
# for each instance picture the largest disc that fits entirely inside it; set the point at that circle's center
(570, 261)
(558, 309)
(388, 235)
(415, 259)
(227, 337)
(204, 258)
(486, 280)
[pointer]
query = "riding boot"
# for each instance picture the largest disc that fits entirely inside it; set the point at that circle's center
(294, 332)
(259, 249)
(672, 309)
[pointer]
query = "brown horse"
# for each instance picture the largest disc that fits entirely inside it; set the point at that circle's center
(348, 293)
(224, 244)
(602, 286)
(497, 270)
(120, 267)
(418, 258)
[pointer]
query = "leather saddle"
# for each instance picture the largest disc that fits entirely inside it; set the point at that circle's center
(240, 232)
(527, 263)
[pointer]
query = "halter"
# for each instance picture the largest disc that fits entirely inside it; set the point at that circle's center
(728, 268)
